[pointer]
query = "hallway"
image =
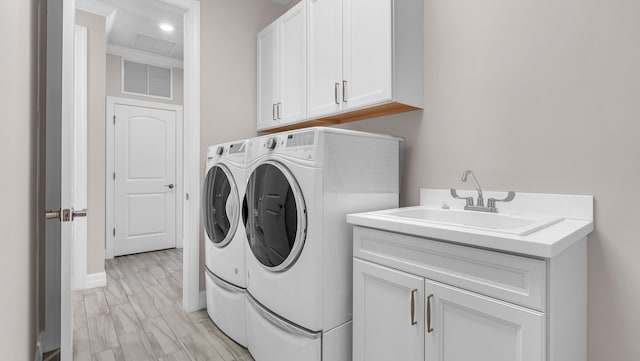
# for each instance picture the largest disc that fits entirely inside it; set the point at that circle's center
(138, 316)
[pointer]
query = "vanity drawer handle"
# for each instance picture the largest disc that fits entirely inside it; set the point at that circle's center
(413, 307)
(429, 328)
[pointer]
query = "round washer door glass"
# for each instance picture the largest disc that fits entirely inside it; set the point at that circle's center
(276, 222)
(221, 206)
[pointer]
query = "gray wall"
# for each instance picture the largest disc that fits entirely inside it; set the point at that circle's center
(18, 147)
(228, 72)
(114, 83)
(535, 96)
(540, 96)
(96, 155)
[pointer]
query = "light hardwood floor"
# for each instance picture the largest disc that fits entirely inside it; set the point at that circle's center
(138, 316)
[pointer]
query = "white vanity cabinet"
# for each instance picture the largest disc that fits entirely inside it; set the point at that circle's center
(282, 70)
(364, 53)
(422, 299)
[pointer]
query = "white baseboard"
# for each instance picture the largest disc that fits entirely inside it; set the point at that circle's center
(94, 280)
(202, 304)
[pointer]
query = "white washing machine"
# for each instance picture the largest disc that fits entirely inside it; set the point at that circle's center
(301, 185)
(225, 239)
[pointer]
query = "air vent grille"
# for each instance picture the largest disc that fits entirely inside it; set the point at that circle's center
(145, 79)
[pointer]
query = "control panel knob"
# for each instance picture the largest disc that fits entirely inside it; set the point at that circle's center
(271, 143)
(220, 150)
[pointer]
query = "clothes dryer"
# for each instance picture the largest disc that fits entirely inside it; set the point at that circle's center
(225, 239)
(301, 185)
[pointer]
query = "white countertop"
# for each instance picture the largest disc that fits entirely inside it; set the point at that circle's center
(576, 211)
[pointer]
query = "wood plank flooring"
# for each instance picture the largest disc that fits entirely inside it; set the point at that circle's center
(138, 316)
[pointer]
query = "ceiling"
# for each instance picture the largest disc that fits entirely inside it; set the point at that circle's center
(133, 26)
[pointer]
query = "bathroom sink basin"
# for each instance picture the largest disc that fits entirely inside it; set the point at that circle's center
(515, 224)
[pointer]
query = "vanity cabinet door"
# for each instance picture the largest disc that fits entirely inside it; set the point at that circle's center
(388, 314)
(463, 326)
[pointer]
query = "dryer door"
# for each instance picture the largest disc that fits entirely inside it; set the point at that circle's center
(276, 221)
(221, 205)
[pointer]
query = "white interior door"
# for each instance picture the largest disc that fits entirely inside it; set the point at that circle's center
(145, 179)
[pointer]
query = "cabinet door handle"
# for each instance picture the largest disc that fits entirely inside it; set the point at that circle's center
(413, 307)
(429, 328)
(279, 107)
(344, 91)
(274, 112)
(337, 89)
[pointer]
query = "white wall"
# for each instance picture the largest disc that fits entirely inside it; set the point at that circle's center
(114, 83)
(540, 96)
(17, 214)
(96, 72)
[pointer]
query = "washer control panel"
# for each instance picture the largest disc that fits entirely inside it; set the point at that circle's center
(300, 145)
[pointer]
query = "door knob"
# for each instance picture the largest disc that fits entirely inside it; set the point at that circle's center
(170, 186)
(78, 213)
(65, 215)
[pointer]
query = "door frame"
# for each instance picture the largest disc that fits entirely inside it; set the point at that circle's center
(189, 193)
(110, 168)
(191, 295)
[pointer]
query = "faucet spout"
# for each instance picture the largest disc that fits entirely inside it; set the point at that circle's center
(469, 174)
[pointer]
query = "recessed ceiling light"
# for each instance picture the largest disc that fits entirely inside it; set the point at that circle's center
(167, 27)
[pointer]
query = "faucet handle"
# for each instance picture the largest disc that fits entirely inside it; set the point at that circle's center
(491, 203)
(455, 195)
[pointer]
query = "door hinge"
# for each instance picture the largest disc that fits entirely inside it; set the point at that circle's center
(114, 232)
(114, 119)
(114, 175)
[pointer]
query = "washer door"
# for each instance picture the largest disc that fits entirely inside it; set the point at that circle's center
(221, 207)
(276, 221)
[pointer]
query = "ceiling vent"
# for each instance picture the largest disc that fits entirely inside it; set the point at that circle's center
(145, 79)
(153, 45)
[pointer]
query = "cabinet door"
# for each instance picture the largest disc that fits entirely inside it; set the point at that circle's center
(368, 52)
(324, 57)
(293, 65)
(267, 76)
(467, 326)
(388, 314)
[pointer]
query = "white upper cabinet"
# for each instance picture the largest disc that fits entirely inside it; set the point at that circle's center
(368, 49)
(267, 75)
(282, 70)
(293, 65)
(362, 58)
(324, 57)
(362, 54)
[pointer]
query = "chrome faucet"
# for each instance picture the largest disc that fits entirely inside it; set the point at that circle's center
(491, 203)
(465, 175)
